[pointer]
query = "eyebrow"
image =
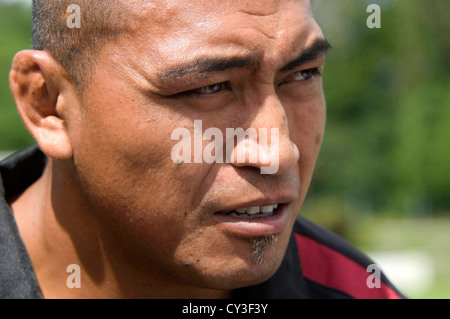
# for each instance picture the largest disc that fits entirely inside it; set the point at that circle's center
(206, 64)
(314, 51)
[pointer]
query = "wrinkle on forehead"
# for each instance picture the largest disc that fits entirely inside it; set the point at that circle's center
(257, 13)
(269, 15)
(264, 8)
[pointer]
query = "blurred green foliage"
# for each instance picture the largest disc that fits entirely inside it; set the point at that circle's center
(387, 143)
(386, 147)
(15, 35)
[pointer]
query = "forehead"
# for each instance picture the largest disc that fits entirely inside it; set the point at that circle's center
(177, 12)
(167, 30)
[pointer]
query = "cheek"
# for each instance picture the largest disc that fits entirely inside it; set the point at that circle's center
(306, 127)
(123, 158)
(123, 155)
(132, 187)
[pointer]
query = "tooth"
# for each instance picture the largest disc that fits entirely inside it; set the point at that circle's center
(252, 210)
(234, 215)
(241, 210)
(275, 206)
(267, 209)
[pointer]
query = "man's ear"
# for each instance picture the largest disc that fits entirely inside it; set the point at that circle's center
(37, 82)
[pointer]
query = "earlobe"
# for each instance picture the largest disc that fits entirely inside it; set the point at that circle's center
(36, 81)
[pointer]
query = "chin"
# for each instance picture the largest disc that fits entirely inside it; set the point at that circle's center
(254, 261)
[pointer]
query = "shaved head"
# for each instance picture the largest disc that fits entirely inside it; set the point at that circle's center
(75, 48)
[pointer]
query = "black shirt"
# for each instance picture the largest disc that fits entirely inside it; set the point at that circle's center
(317, 264)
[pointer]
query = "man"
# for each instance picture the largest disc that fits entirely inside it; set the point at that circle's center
(102, 101)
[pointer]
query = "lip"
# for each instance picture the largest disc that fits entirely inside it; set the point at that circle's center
(262, 226)
(280, 199)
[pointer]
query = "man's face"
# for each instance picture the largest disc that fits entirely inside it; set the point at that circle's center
(228, 64)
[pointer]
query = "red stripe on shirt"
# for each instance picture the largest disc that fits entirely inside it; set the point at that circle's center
(329, 268)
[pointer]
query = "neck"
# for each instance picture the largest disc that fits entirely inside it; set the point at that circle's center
(69, 247)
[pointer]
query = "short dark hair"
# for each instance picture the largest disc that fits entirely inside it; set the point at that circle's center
(75, 48)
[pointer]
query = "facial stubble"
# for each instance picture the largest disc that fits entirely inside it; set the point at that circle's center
(259, 246)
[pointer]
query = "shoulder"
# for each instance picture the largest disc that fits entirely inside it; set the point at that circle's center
(17, 277)
(21, 169)
(331, 265)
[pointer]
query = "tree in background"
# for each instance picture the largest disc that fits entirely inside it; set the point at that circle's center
(15, 35)
(387, 145)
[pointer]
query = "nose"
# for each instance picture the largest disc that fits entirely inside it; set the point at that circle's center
(266, 144)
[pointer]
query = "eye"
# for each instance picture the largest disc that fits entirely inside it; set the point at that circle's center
(303, 75)
(210, 89)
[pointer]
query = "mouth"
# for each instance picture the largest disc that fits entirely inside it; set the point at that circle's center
(255, 220)
(252, 212)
